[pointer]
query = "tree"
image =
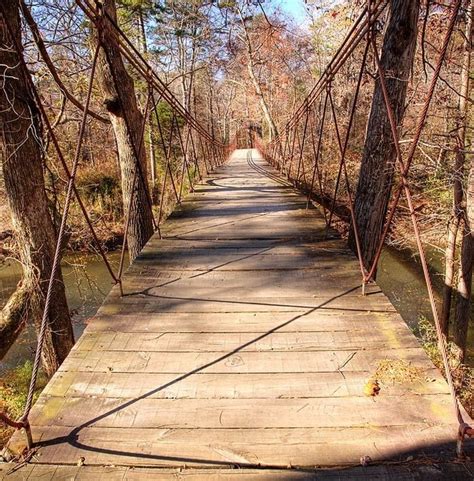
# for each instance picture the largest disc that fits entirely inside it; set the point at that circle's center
(251, 69)
(127, 123)
(137, 11)
(458, 211)
(464, 288)
(379, 155)
(22, 160)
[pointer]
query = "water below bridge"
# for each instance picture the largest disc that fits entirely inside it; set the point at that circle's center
(88, 282)
(242, 348)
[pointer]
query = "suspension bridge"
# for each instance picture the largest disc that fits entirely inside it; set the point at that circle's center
(242, 340)
(246, 340)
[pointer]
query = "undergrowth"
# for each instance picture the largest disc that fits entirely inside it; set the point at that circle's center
(13, 392)
(463, 376)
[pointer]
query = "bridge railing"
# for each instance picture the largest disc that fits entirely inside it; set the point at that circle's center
(314, 152)
(189, 150)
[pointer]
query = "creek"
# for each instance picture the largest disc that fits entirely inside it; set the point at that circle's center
(88, 282)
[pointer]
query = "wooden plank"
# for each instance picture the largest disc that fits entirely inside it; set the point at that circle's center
(239, 361)
(290, 321)
(288, 283)
(249, 260)
(181, 247)
(349, 300)
(233, 385)
(404, 472)
(251, 341)
(337, 412)
(167, 446)
(230, 291)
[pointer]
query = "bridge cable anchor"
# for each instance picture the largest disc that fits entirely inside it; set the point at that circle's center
(28, 435)
(465, 431)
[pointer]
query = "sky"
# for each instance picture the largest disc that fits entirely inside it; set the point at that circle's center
(294, 7)
(300, 10)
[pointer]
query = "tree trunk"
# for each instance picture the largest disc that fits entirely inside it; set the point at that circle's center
(458, 210)
(127, 122)
(379, 156)
(151, 138)
(463, 305)
(272, 129)
(449, 268)
(21, 154)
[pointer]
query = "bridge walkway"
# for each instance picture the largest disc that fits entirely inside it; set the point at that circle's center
(242, 341)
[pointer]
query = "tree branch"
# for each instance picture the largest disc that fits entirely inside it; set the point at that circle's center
(49, 63)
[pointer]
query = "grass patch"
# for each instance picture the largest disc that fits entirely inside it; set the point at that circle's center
(13, 392)
(393, 371)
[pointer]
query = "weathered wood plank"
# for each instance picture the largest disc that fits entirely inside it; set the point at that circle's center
(403, 472)
(337, 412)
(167, 446)
(260, 284)
(326, 320)
(199, 260)
(349, 300)
(239, 361)
(233, 386)
(225, 342)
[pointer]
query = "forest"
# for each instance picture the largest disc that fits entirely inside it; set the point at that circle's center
(111, 112)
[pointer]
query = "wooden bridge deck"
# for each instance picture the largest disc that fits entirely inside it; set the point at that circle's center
(242, 341)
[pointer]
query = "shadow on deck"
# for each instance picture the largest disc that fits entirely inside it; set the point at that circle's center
(241, 349)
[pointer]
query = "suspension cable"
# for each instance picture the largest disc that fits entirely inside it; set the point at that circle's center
(364, 26)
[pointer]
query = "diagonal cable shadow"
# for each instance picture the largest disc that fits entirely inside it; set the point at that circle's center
(266, 173)
(73, 437)
(220, 224)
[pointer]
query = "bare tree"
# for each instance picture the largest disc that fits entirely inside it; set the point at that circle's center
(22, 157)
(127, 122)
(251, 69)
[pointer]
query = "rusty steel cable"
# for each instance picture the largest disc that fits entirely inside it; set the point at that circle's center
(59, 152)
(316, 154)
(71, 192)
(137, 151)
(134, 186)
(41, 47)
(167, 153)
(59, 244)
(353, 38)
(404, 166)
(343, 149)
(404, 170)
(137, 60)
(23, 421)
(215, 151)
